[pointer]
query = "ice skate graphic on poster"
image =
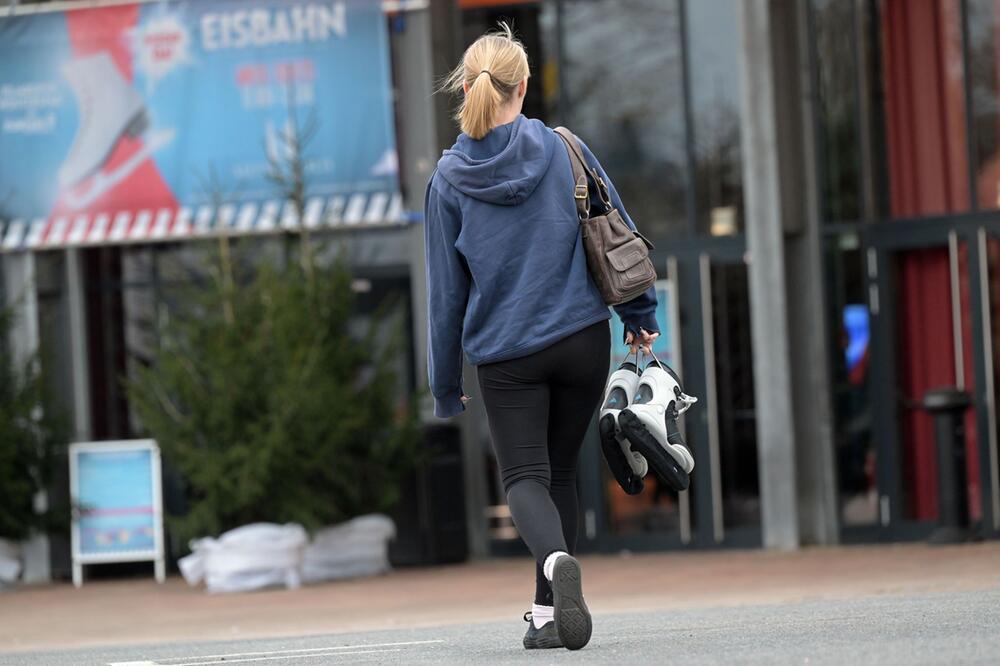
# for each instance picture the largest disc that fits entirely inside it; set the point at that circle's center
(110, 109)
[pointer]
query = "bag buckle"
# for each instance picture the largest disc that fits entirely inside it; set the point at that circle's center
(581, 192)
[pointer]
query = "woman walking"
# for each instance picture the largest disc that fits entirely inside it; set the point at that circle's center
(508, 284)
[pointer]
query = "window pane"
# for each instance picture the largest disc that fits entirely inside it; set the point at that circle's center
(623, 97)
(713, 65)
(737, 408)
(838, 130)
(984, 22)
(850, 359)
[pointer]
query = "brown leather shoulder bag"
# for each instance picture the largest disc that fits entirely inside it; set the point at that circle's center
(618, 258)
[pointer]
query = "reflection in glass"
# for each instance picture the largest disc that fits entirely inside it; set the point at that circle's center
(623, 96)
(850, 358)
(713, 68)
(654, 510)
(735, 395)
(984, 23)
(838, 131)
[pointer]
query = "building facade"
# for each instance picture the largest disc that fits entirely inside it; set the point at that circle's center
(819, 180)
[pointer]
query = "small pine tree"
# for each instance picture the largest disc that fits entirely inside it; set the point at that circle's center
(269, 409)
(31, 435)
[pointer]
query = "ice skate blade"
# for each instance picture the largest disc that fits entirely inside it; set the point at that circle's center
(663, 464)
(102, 182)
(620, 468)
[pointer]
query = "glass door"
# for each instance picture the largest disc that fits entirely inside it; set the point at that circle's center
(707, 325)
(933, 287)
(985, 293)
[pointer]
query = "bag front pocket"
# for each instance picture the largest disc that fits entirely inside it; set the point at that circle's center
(626, 256)
(632, 269)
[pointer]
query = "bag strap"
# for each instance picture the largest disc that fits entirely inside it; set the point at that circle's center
(581, 189)
(581, 171)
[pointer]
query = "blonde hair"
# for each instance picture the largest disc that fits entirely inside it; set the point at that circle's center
(492, 66)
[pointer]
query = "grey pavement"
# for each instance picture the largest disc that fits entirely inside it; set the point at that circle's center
(947, 628)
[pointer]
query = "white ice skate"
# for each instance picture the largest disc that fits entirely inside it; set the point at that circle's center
(650, 424)
(109, 109)
(627, 466)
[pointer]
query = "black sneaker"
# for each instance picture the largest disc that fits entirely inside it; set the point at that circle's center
(540, 639)
(572, 618)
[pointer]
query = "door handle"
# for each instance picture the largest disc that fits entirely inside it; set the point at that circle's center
(673, 325)
(989, 388)
(711, 397)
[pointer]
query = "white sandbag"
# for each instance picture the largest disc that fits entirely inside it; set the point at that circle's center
(247, 558)
(358, 547)
(10, 561)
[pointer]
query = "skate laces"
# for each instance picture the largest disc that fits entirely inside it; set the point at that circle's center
(683, 401)
(635, 366)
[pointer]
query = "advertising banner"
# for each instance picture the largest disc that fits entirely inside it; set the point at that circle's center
(136, 122)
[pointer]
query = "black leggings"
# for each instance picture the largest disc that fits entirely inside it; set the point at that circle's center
(539, 407)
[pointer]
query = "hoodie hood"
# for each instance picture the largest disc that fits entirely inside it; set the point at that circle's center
(505, 166)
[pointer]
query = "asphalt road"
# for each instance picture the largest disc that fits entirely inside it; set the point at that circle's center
(953, 628)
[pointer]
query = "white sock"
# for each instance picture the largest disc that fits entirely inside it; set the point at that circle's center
(550, 563)
(541, 615)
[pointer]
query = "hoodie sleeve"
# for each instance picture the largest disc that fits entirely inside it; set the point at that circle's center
(640, 312)
(447, 296)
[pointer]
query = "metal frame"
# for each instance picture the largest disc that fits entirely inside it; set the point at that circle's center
(686, 258)
(691, 193)
(701, 507)
(683, 498)
(711, 395)
(970, 126)
(946, 232)
(16, 9)
(694, 258)
(989, 389)
(956, 310)
(882, 242)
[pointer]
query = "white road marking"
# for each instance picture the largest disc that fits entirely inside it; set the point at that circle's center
(285, 656)
(227, 658)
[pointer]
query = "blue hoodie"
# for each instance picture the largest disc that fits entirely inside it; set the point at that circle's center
(506, 269)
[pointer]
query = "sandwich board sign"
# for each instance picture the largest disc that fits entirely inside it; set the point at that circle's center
(117, 501)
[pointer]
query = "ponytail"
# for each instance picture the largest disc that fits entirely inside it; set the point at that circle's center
(492, 67)
(480, 106)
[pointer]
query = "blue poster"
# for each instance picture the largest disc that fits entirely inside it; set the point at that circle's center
(124, 122)
(663, 347)
(115, 501)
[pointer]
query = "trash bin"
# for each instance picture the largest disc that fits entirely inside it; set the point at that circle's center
(947, 407)
(430, 517)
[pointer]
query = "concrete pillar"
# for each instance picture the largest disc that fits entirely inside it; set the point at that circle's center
(816, 472)
(78, 346)
(798, 501)
(418, 147)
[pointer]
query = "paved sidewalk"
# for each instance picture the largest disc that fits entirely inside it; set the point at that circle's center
(139, 611)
